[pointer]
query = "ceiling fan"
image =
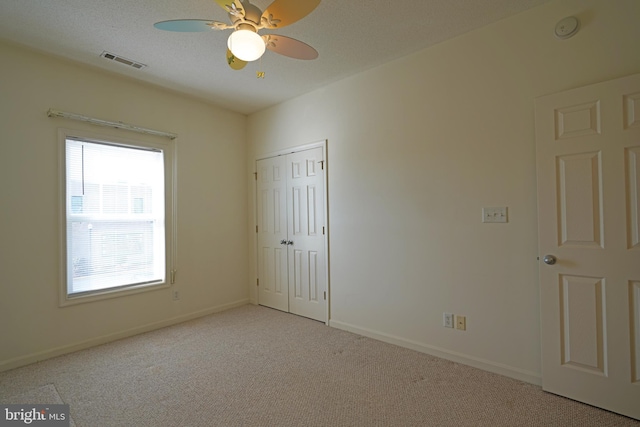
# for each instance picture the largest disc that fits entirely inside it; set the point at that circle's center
(245, 44)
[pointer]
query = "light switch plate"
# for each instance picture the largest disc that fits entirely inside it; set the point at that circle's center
(496, 214)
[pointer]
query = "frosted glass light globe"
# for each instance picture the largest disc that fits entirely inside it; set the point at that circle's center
(246, 45)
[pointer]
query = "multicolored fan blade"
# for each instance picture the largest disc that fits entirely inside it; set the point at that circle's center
(235, 63)
(289, 47)
(224, 3)
(285, 12)
(230, 5)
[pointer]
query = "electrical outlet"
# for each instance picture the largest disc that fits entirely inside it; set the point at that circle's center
(447, 320)
(461, 323)
(176, 295)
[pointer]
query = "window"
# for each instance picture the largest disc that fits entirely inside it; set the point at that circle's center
(117, 216)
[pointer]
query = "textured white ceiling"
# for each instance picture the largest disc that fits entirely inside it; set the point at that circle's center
(350, 36)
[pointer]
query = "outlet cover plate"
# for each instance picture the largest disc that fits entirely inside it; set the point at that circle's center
(461, 323)
(447, 320)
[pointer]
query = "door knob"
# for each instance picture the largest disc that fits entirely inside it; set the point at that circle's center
(283, 242)
(290, 242)
(549, 259)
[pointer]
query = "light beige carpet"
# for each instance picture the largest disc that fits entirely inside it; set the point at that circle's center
(253, 366)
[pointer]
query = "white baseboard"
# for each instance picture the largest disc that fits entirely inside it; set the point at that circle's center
(5, 365)
(486, 365)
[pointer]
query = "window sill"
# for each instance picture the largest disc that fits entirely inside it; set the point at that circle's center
(70, 300)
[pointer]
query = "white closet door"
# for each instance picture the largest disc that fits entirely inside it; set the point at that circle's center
(292, 254)
(588, 164)
(273, 289)
(307, 255)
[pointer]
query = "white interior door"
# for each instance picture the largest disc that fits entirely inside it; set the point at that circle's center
(292, 255)
(273, 289)
(307, 258)
(588, 165)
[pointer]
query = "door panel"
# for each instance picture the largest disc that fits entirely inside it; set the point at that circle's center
(307, 265)
(634, 295)
(632, 155)
(272, 229)
(582, 314)
(580, 199)
(587, 145)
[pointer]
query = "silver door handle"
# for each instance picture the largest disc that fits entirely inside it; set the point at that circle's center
(549, 259)
(283, 242)
(290, 242)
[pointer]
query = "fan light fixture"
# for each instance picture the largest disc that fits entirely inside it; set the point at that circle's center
(246, 45)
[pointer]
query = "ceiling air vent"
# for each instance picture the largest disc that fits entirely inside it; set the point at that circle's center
(122, 60)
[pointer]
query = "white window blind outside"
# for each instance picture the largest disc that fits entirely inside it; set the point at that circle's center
(115, 216)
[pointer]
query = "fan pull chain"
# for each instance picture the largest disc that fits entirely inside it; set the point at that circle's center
(260, 74)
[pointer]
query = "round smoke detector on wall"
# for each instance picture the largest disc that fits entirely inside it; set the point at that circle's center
(567, 27)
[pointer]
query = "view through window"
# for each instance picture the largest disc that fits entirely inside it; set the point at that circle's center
(115, 216)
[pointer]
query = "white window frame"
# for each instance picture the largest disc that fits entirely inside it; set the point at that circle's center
(169, 150)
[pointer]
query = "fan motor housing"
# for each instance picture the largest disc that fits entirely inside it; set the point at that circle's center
(251, 13)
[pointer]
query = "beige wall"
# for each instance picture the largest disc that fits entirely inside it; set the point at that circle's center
(416, 148)
(212, 241)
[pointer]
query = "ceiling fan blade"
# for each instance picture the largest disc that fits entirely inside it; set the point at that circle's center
(235, 63)
(224, 3)
(289, 47)
(286, 12)
(185, 25)
(232, 7)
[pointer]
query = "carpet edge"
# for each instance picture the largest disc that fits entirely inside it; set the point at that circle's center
(28, 359)
(465, 359)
